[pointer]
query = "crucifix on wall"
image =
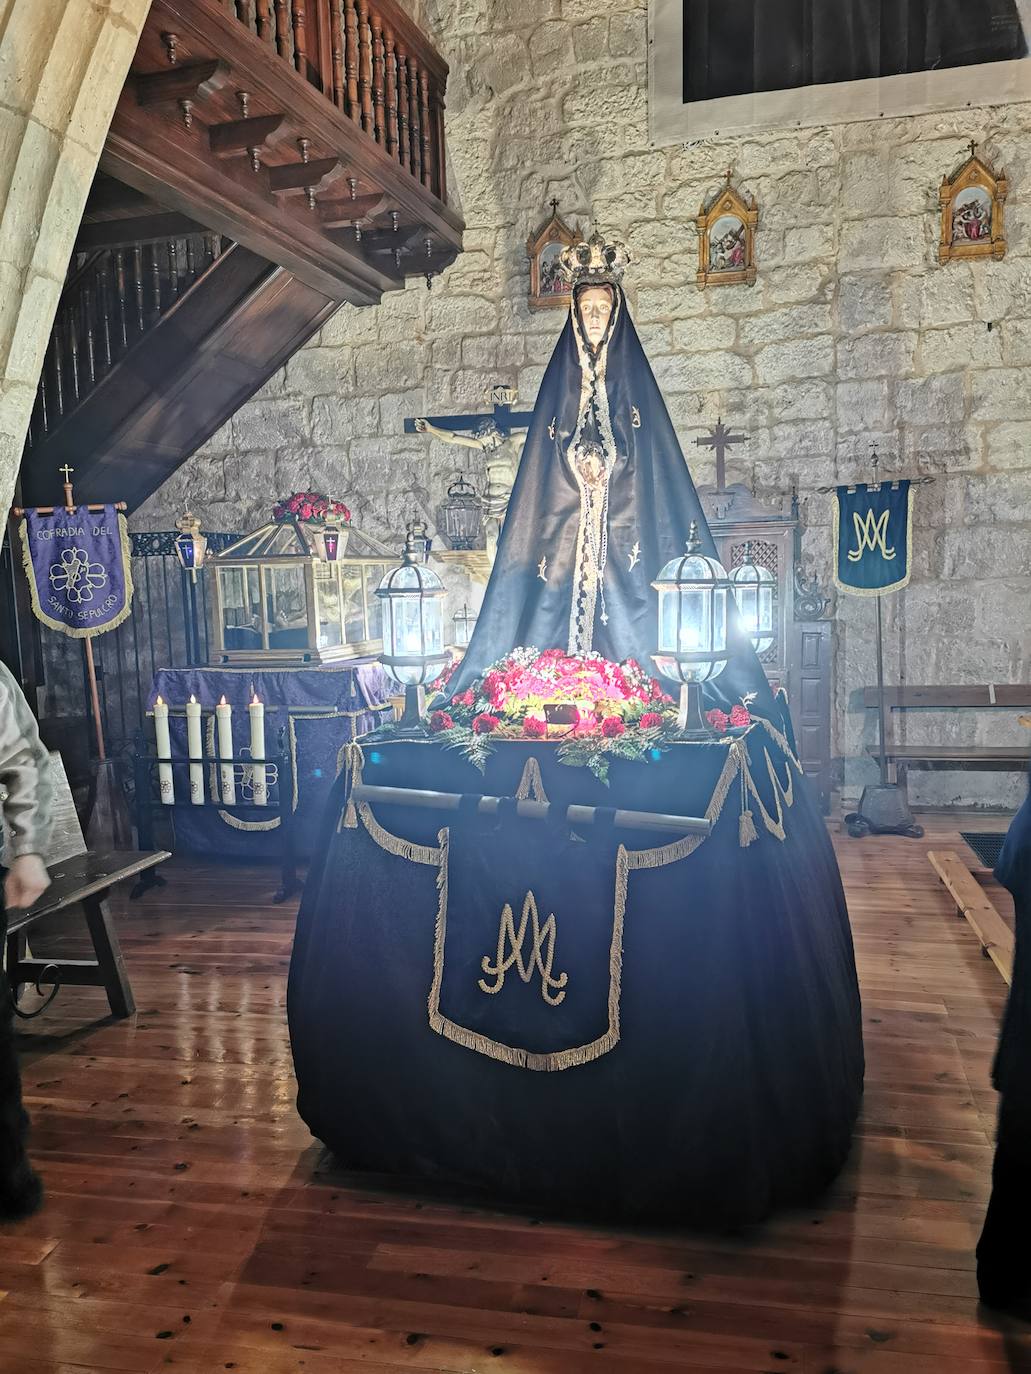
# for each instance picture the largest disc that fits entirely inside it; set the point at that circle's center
(494, 436)
(720, 440)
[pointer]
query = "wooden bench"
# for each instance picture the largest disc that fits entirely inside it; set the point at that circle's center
(996, 938)
(86, 879)
(994, 757)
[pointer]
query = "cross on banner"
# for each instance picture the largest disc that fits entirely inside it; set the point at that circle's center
(720, 440)
(503, 415)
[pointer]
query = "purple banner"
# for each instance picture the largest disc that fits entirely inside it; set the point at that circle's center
(77, 563)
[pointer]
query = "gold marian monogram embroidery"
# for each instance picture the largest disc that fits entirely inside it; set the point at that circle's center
(542, 953)
(872, 534)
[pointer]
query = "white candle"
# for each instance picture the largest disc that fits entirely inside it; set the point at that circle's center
(195, 749)
(224, 722)
(259, 780)
(164, 744)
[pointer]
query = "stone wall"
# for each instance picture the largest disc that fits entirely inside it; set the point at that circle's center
(62, 68)
(853, 333)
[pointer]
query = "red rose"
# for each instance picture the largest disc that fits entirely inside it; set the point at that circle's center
(440, 720)
(485, 724)
(465, 699)
(656, 690)
(719, 720)
(739, 716)
(651, 720)
(612, 726)
(535, 728)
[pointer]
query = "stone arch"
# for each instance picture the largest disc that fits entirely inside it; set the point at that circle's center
(63, 64)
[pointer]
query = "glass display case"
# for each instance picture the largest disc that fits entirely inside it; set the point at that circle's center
(279, 599)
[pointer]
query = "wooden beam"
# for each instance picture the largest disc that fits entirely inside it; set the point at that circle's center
(121, 233)
(989, 927)
(298, 176)
(240, 135)
(337, 213)
(191, 81)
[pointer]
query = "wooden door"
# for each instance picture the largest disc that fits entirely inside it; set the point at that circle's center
(809, 696)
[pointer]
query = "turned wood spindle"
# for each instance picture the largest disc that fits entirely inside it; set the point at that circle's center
(191, 260)
(391, 89)
(414, 139)
(365, 65)
(245, 12)
(137, 272)
(104, 301)
(186, 106)
(155, 283)
(282, 29)
(263, 21)
(354, 108)
(89, 333)
(424, 125)
(171, 42)
(336, 41)
(44, 404)
(173, 269)
(377, 77)
(58, 356)
(300, 38)
(402, 105)
(73, 354)
(123, 321)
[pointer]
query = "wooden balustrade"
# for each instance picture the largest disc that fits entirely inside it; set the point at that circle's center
(113, 298)
(373, 63)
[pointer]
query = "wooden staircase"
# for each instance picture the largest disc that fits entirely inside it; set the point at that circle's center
(268, 160)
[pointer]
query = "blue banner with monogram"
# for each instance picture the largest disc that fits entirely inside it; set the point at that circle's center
(77, 563)
(873, 536)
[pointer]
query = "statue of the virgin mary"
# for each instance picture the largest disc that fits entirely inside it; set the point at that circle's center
(603, 499)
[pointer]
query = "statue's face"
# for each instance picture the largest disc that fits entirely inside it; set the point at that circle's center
(595, 306)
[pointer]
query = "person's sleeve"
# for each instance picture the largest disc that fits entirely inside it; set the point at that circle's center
(24, 772)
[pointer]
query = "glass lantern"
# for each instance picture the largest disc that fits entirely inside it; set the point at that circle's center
(412, 596)
(463, 514)
(191, 546)
(464, 623)
(753, 591)
(693, 607)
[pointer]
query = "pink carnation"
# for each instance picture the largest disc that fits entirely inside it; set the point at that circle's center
(465, 699)
(651, 720)
(440, 720)
(485, 724)
(612, 726)
(535, 728)
(719, 720)
(739, 716)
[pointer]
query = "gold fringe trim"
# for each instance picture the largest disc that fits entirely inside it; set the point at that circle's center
(496, 1049)
(41, 615)
(531, 784)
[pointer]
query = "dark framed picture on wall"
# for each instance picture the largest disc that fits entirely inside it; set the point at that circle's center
(721, 68)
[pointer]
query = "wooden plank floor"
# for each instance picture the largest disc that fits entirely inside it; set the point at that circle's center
(189, 1229)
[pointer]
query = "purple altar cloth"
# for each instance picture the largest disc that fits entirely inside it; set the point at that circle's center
(315, 710)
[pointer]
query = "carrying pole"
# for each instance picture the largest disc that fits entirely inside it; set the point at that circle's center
(880, 696)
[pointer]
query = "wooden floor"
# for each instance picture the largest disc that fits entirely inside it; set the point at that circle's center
(188, 1227)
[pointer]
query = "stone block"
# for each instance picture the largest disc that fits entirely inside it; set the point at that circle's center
(388, 367)
(1000, 393)
(551, 50)
(806, 282)
(787, 322)
(591, 39)
(628, 34)
(877, 355)
(1002, 290)
(883, 242)
(863, 406)
(320, 372)
(808, 400)
(962, 346)
(809, 242)
(704, 334)
(932, 448)
(268, 425)
(1016, 342)
(864, 302)
(454, 314)
(1008, 445)
(336, 419)
(934, 400)
(702, 372)
(797, 359)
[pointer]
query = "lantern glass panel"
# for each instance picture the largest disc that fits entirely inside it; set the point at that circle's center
(240, 593)
(286, 603)
(327, 601)
(354, 604)
(374, 604)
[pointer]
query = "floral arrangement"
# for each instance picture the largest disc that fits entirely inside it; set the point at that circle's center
(598, 709)
(311, 507)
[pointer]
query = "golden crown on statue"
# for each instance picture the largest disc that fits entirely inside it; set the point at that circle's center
(595, 262)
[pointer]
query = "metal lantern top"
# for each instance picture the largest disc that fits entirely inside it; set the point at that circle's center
(463, 511)
(693, 592)
(754, 588)
(191, 546)
(411, 576)
(413, 618)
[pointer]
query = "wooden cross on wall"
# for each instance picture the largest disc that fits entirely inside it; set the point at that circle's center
(503, 416)
(720, 440)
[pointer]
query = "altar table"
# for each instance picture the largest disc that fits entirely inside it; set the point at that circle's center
(611, 1023)
(318, 710)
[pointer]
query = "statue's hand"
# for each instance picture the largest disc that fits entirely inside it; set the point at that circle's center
(420, 425)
